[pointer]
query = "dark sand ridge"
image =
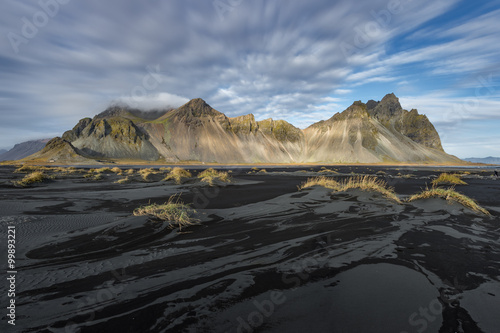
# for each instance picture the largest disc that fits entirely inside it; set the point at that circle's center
(343, 261)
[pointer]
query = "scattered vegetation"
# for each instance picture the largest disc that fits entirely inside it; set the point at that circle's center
(262, 171)
(209, 175)
(450, 195)
(177, 174)
(448, 179)
(381, 172)
(165, 169)
(34, 177)
(405, 176)
(173, 211)
(30, 168)
(130, 171)
(326, 170)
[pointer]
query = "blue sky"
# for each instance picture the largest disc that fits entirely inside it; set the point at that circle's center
(302, 61)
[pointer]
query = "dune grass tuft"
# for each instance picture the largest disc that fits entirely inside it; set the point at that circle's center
(319, 181)
(130, 172)
(123, 180)
(365, 183)
(146, 174)
(177, 174)
(368, 183)
(34, 177)
(450, 195)
(117, 170)
(30, 168)
(209, 175)
(448, 179)
(173, 211)
(104, 170)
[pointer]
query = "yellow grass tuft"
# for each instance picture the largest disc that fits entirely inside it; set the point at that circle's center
(173, 211)
(319, 181)
(130, 171)
(368, 183)
(103, 170)
(365, 183)
(177, 174)
(124, 180)
(117, 170)
(34, 177)
(146, 174)
(448, 179)
(450, 195)
(209, 175)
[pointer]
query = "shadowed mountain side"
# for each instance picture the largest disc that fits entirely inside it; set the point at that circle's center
(365, 133)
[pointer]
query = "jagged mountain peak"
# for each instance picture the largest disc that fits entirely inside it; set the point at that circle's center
(197, 108)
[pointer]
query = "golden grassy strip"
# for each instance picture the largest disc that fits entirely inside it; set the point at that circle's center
(448, 179)
(209, 175)
(34, 177)
(177, 174)
(173, 211)
(450, 195)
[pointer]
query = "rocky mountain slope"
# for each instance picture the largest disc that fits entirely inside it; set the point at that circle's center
(365, 133)
(23, 149)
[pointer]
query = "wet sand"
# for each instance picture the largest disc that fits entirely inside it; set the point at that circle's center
(265, 257)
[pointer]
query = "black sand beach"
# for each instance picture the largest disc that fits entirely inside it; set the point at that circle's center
(264, 257)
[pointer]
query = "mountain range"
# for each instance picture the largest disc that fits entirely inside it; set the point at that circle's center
(364, 133)
(23, 149)
(485, 160)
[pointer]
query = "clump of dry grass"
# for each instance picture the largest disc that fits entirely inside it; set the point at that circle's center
(368, 183)
(450, 195)
(209, 175)
(177, 174)
(319, 181)
(117, 170)
(448, 179)
(124, 180)
(103, 170)
(173, 211)
(130, 172)
(163, 169)
(262, 171)
(365, 183)
(34, 177)
(381, 172)
(98, 177)
(146, 174)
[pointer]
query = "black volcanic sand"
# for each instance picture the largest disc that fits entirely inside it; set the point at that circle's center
(265, 257)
